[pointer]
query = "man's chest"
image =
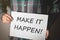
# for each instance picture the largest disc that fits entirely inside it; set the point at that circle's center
(32, 6)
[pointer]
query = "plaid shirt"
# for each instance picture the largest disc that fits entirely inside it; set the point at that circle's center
(30, 6)
(33, 6)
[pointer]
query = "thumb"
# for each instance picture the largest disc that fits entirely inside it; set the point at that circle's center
(47, 34)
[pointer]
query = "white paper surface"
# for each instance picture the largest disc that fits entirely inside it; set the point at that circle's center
(28, 25)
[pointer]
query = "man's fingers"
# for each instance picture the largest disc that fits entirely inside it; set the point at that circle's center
(6, 19)
(8, 16)
(47, 34)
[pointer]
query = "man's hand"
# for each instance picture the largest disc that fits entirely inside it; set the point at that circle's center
(47, 34)
(6, 18)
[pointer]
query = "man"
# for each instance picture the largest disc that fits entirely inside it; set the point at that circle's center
(34, 6)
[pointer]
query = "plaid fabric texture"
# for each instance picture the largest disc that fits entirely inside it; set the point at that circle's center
(30, 6)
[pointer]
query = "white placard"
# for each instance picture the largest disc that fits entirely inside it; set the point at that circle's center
(28, 25)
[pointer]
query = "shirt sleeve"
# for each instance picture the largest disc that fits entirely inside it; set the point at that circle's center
(2, 11)
(53, 11)
(53, 5)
